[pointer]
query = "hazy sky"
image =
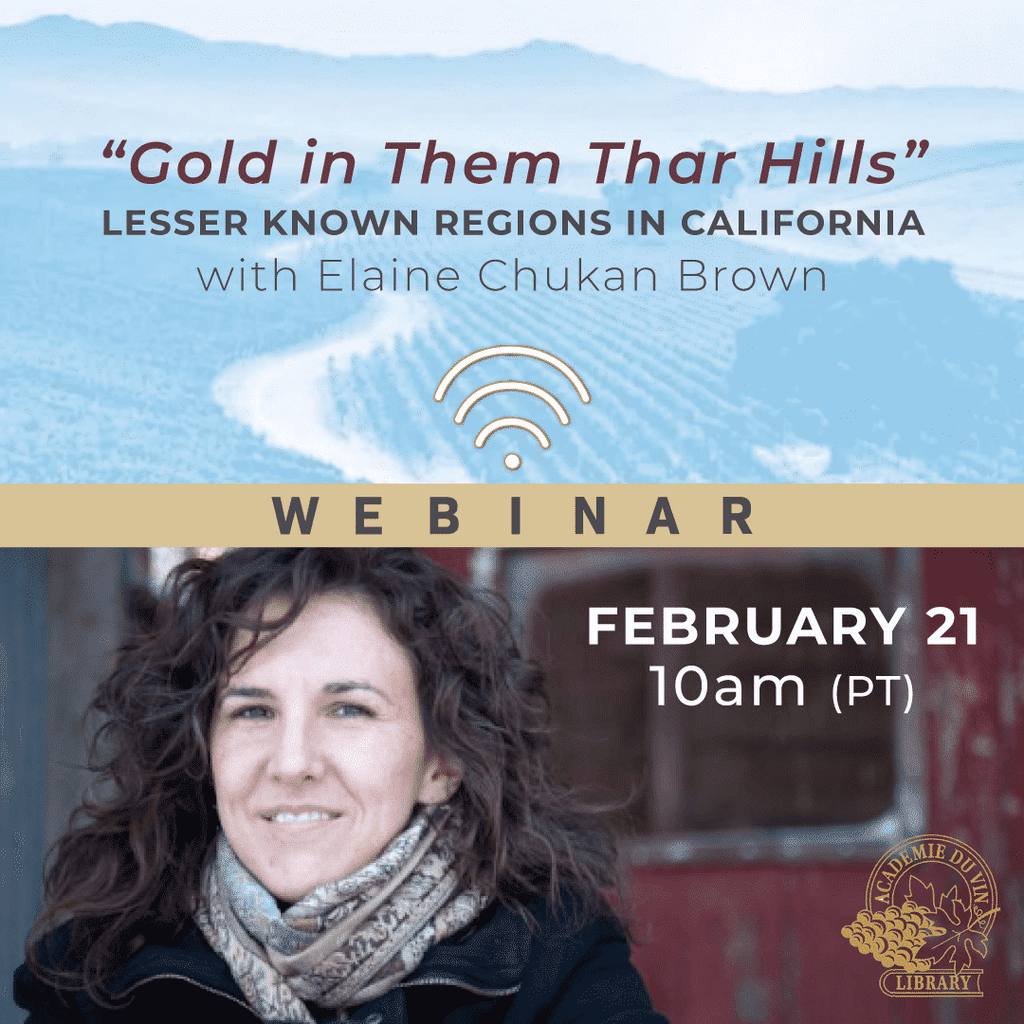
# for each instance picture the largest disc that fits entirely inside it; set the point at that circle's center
(778, 45)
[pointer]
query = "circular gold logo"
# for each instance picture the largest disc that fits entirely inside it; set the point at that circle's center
(928, 909)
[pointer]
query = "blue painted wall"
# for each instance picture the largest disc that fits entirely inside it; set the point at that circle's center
(23, 744)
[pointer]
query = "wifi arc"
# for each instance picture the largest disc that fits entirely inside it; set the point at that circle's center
(512, 460)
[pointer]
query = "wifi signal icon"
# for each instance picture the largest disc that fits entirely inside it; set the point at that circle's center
(512, 460)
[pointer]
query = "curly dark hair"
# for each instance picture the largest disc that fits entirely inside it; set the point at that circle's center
(129, 871)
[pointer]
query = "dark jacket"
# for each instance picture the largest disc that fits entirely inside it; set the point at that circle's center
(493, 972)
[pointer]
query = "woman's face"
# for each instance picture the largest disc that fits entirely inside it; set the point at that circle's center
(318, 750)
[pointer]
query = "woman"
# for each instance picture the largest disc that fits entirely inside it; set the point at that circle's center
(326, 796)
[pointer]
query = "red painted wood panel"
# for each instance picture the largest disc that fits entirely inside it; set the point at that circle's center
(974, 705)
(758, 944)
(762, 944)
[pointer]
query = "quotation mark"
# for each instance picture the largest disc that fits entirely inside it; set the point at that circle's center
(108, 149)
(913, 144)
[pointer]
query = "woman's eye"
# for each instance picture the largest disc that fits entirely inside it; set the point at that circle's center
(251, 712)
(345, 710)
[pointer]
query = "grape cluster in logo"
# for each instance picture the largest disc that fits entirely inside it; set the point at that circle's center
(928, 909)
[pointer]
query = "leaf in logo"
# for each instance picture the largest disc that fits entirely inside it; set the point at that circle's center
(951, 905)
(964, 938)
(922, 894)
(958, 953)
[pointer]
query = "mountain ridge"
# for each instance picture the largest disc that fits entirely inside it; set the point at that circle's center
(34, 41)
(34, 38)
(67, 79)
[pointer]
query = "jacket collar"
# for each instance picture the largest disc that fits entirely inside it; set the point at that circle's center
(487, 957)
(191, 959)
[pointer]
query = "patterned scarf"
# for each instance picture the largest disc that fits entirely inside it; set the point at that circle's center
(346, 942)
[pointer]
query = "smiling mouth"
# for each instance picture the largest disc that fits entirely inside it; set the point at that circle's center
(287, 817)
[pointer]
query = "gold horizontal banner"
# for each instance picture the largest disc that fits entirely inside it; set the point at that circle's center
(532, 515)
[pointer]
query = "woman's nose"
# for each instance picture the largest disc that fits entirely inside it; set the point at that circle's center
(296, 755)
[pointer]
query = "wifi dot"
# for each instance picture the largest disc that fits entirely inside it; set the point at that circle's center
(512, 461)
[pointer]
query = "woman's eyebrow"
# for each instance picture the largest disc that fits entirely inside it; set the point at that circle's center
(349, 685)
(246, 691)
